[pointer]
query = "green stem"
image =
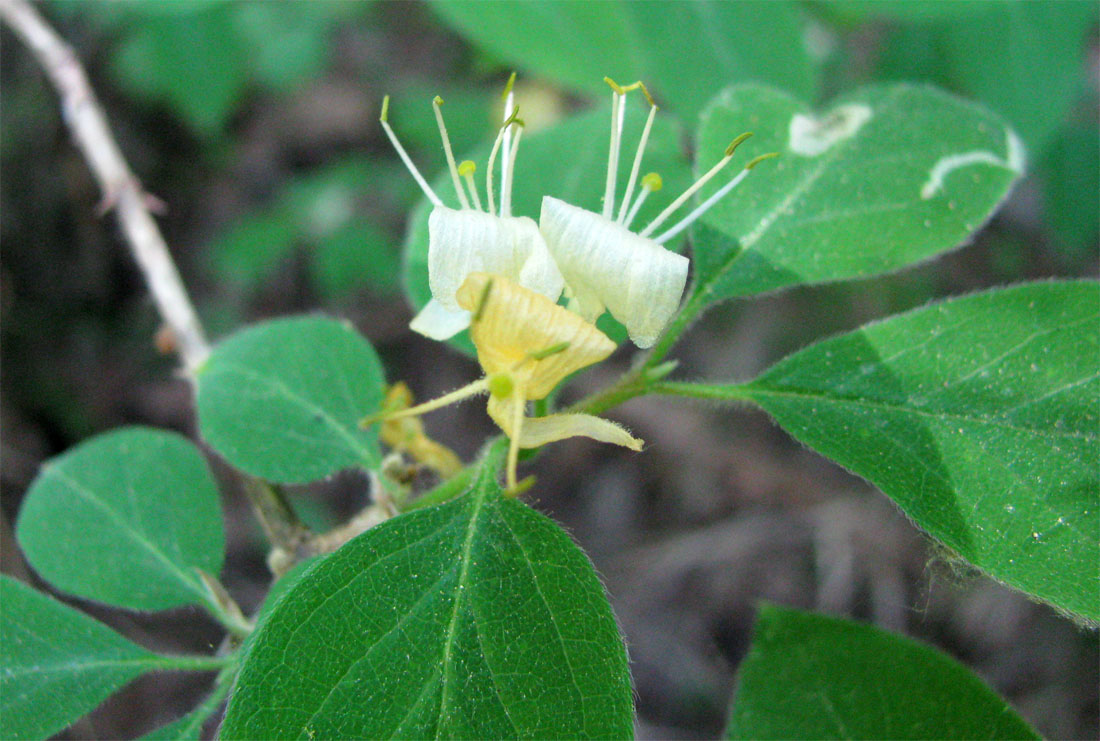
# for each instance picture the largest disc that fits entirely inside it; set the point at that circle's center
(732, 392)
(196, 663)
(445, 491)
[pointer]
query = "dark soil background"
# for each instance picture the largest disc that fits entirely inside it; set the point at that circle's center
(722, 510)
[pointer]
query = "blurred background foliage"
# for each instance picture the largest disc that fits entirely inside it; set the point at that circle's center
(256, 124)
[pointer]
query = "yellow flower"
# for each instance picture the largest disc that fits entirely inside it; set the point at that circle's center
(607, 266)
(527, 345)
(472, 238)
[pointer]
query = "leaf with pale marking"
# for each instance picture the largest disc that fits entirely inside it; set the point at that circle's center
(885, 177)
(810, 676)
(979, 416)
(282, 400)
(478, 618)
(126, 518)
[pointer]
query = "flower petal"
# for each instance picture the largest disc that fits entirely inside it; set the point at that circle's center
(514, 322)
(538, 431)
(605, 263)
(466, 241)
(438, 322)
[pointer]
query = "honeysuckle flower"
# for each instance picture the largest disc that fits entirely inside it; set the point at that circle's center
(604, 263)
(472, 238)
(527, 345)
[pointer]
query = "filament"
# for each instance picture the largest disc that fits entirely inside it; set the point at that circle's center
(467, 170)
(436, 201)
(506, 186)
(437, 104)
(637, 165)
(479, 386)
(613, 154)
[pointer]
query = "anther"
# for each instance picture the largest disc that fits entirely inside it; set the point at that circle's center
(737, 142)
(384, 117)
(482, 300)
(757, 160)
(508, 86)
(467, 167)
(548, 351)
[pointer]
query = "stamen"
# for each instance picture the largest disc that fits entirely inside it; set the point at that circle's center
(482, 300)
(405, 155)
(695, 186)
(506, 186)
(506, 143)
(548, 351)
(437, 102)
(651, 183)
(717, 196)
(613, 153)
(493, 158)
(479, 386)
(517, 433)
(637, 160)
(466, 169)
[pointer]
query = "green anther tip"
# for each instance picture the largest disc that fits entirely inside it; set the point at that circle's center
(652, 182)
(513, 119)
(501, 385)
(757, 160)
(737, 142)
(467, 167)
(437, 100)
(548, 351)
(385, 108)
(482, 301)
(508, 87)
(645, 92)
(615, 86)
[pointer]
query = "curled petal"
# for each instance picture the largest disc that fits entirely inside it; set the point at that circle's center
(438, 322)
(467, 241)
(538, 431)
(512, 323)
(604, 263)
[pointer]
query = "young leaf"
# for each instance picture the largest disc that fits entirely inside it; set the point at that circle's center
(125, 518)
(979, 416)
(283, 400)
(887, 176)
(809, 676)
(56, 664)
(714, 43)
(478, 618)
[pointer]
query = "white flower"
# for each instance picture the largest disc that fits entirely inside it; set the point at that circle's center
(472, 239)
(607, 266)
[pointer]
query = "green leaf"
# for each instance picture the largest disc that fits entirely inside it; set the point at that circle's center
(567, 161)
(887, 176)
(809, 676)
(979, 416)
(282, 400)
(56, 664)
(478, 618)
(1072, 194)
(1025, 60)
(126, 518)
(193, 61)
(577, 44)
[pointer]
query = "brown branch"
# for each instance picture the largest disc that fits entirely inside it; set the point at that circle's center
(121, 190)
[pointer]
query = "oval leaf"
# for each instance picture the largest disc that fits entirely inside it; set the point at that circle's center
(282, 400)
(56, 664)
(809, 676)
(886, 177)
(126, 518)
(979, 416)
(578, 43)
(479, 618)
